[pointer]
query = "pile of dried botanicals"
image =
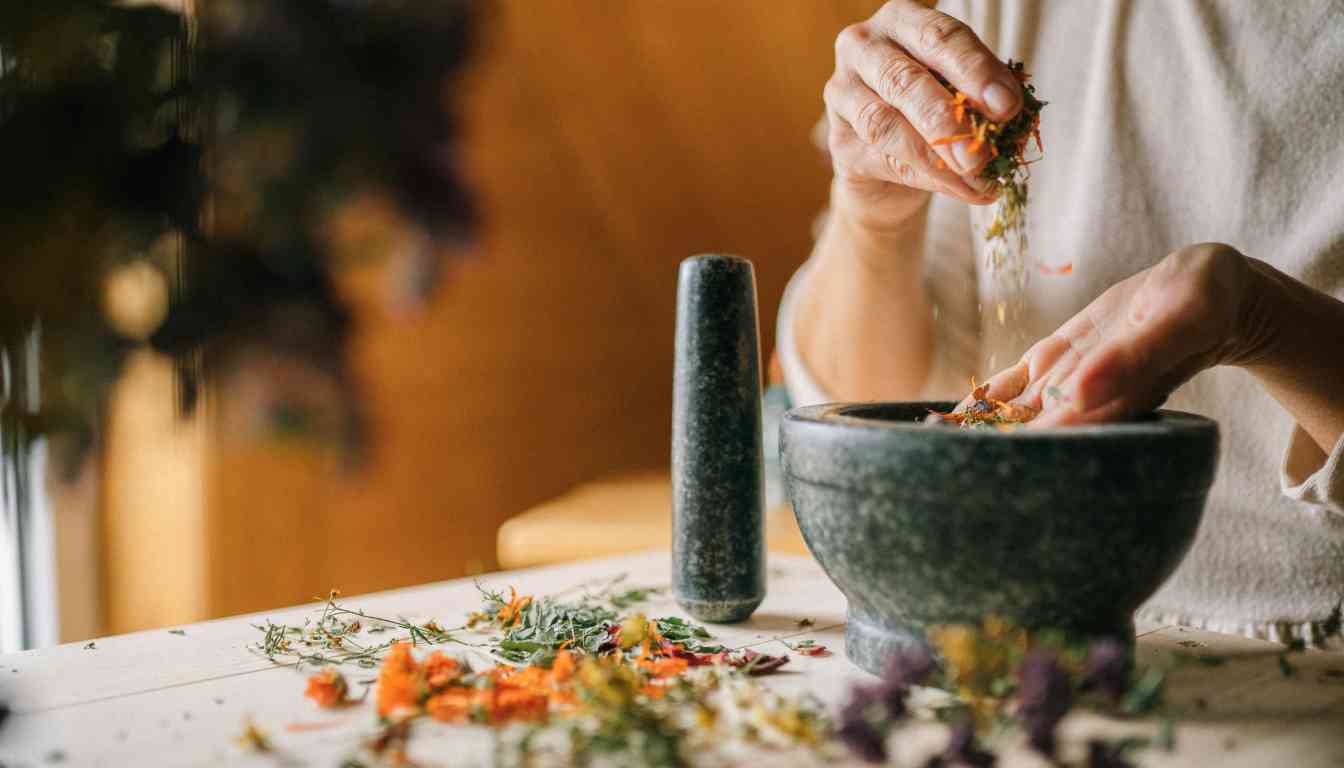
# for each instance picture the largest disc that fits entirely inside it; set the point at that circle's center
(983, 413)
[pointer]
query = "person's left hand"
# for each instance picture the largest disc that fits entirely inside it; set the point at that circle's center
(1138, 341)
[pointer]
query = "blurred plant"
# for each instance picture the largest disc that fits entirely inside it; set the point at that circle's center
(195, 182)
(1005, 679)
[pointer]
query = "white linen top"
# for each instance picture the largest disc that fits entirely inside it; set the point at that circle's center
(1171, 122)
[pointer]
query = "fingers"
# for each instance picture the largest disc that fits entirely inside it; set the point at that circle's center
(905, 84)
(892, 151)
(949, 47)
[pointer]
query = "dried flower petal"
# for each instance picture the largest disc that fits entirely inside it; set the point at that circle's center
(909, 666)
(1046, 696)
(1101, 754)
(328, 688)
(864, 724)
(962, 750)
(1107, 668)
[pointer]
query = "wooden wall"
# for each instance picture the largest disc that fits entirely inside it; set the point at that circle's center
(609, 139)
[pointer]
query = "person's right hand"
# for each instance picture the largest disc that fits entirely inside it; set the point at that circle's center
(885, 110)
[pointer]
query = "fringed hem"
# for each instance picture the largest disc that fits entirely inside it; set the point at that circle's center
(1311, 634)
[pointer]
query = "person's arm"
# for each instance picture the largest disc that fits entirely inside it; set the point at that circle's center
(862, 321)
(1298, 353)
(862, 324)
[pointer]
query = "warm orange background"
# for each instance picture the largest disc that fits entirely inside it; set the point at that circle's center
(608, 141)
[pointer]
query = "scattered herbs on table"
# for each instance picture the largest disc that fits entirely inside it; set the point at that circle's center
(578, 683)
(335, 637)
(575, 679)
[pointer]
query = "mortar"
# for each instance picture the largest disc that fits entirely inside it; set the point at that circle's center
(919, 525)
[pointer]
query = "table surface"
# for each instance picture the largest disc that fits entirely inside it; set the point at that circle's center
(181, 697)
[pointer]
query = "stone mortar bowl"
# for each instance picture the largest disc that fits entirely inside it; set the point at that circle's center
(922, 525)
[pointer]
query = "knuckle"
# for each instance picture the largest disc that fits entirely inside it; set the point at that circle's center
(941, 31)
(830, 93)
(898, 78)
(935, 112)
(901, 172)
(974, 64)
(851, 36)
(875, 122)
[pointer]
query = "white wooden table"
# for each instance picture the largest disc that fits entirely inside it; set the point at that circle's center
(162, 698)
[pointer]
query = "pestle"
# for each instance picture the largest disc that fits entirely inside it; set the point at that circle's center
(718, 552)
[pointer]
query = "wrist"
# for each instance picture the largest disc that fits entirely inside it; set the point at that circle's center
(1262, 316)
(882, 248)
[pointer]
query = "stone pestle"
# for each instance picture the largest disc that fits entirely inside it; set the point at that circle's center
(718, 550)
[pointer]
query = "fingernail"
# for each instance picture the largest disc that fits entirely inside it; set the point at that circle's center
(965, 158)
(980, 184)
(1000, 99)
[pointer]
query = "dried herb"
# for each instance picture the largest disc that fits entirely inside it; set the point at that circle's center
(633, 597)
(328, 688)
(1046, 696)
(872, 711)
(1296, 645)
(1146, 694)
(1107, 669)
(336, 637)
(253, 738)
(962, 750)
(1004, 678)
(984, 413)
(576, 678)
(806, 648)
(1112, 754)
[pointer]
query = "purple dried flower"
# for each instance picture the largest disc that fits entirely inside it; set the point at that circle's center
(911, 665)
(1046, 696)
(872, 710)
(864, 722)
(962, 751)
(1101, 754)
(1107, 668)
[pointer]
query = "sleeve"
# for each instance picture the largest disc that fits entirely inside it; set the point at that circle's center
(951, 279)
(1309, 475)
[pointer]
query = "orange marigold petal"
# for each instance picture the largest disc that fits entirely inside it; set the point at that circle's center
(328, 688)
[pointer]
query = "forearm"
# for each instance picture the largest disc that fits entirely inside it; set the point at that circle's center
(863, 324)
(1299, 357)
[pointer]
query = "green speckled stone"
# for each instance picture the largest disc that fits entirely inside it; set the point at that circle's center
(718, 549)
(920, 525)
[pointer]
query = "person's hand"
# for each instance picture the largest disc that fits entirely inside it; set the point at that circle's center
(885, 109)
(1142, 338)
